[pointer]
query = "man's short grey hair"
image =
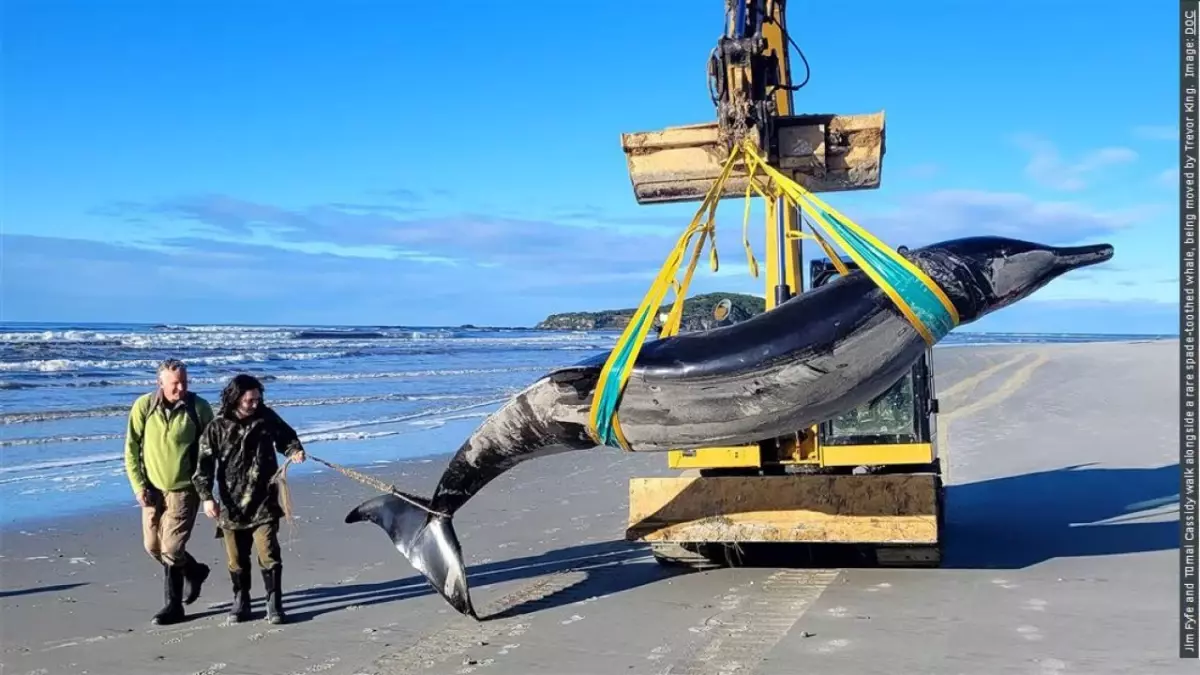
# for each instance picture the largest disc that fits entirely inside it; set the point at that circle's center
(171, 365)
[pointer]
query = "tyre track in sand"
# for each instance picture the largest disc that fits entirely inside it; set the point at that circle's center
(968, 384)
(741, 636)
(1010, 386)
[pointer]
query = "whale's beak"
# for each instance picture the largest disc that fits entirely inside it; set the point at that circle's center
(1074, 257)
(1015, 269)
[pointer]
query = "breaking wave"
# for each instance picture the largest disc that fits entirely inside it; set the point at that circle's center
(65, 365)
(122, 410)
(281, 377)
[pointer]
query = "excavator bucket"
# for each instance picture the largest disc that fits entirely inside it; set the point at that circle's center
(824, 153)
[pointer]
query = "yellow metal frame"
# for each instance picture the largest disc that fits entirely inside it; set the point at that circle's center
(896, 509)
(721, 458)
(823, 152)
(732, 457)
(773, 33)
(747, 456)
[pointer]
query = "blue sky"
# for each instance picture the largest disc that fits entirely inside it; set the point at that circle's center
(358, 162)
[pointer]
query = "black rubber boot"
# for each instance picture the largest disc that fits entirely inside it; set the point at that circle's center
(172, 611)
(271, 579)
(195, 573)
(240, 609)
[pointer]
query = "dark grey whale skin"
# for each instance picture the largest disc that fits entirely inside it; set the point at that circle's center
(816, 356)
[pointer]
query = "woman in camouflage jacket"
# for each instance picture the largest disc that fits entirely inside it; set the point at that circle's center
(238, 452)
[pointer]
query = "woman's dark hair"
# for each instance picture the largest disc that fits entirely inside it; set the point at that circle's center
(232, 394)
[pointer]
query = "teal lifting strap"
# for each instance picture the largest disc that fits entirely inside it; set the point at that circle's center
(928, 308)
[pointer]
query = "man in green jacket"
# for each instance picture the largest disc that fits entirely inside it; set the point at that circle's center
(161, 447)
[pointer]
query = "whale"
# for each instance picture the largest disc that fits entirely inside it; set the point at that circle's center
(820, 354)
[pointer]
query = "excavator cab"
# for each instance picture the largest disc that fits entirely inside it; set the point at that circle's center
(901, 416)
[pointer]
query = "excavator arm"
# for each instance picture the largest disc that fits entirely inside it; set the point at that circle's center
(752, 90)
(749, 74)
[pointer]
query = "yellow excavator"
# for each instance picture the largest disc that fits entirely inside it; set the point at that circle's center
(871, 477)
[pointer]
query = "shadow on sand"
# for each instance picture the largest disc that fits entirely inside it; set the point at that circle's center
(54, 588)
(1018, 521)
(608, 567)
(1001, 523)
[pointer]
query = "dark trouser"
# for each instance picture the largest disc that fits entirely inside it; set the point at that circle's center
(265, 541)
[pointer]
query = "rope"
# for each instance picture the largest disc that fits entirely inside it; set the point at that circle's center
(285, 501)
(918, 297)
(280, 479)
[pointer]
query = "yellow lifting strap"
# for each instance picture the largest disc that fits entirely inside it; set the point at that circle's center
(603, 425)
(917, 296)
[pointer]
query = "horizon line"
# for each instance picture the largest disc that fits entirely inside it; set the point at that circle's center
(148, 324)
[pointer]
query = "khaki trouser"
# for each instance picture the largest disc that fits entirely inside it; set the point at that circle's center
(167, 525)
(264, 538)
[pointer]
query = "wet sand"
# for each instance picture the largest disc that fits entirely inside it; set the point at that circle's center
(1061, 558)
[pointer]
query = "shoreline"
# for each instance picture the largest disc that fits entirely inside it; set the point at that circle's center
(168, 326)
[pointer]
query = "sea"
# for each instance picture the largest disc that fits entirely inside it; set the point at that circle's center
(358, 395)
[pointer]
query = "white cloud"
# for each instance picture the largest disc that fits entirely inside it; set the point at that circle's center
(527, 263)
(948, 214)
(1048, 167)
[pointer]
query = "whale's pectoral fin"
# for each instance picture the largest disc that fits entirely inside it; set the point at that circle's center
(427, 541)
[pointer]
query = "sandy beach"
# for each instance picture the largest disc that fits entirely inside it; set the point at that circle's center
(1061, 558)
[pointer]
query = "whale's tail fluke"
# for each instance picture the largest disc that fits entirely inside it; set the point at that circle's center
(428, 542)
